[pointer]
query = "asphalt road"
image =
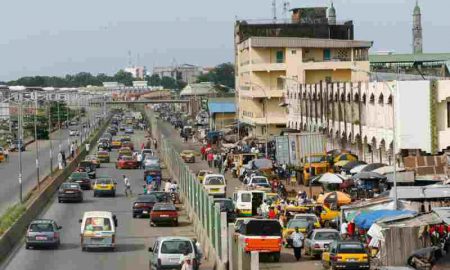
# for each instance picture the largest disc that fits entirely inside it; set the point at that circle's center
(287, 261)
(134, 235)
(9, 170)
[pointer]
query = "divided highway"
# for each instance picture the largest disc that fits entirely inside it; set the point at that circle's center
(134, 235)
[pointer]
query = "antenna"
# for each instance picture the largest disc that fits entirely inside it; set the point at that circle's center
(286, 6)
(274, 10)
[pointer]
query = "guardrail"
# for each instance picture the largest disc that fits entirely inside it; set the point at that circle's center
(210, 224)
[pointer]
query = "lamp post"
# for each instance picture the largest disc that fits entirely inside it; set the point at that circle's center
(394, 132)
(265, 114)
(36, 138)
(49, 135)
(20, 142)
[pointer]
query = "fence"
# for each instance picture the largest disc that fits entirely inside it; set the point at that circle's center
(210, 224)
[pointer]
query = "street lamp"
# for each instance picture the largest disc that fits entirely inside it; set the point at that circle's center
(36, 137)
(265, 112)
(394, 131)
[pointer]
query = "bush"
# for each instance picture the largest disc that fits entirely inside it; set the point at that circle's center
(11, 215)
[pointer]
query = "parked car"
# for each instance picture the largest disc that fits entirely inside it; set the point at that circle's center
(164, 213)
(167, 252)
(345, 254)
(82, 178)
(70, 192)
(127, 162)
(104, 186)
(319, 240)
(15, 145)
(43, 233)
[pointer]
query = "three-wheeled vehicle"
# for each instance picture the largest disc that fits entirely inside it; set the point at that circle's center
(152, 174)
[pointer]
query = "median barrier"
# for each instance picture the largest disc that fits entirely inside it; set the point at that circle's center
(11, 237)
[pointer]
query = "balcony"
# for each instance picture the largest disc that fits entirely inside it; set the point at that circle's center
(258, 93)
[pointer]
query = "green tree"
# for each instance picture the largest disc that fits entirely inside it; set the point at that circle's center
(222, 74)
(153, 80)
(169, 83)
(123, 77)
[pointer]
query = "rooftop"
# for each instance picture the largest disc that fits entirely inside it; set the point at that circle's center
(409, 58)
(296, 42)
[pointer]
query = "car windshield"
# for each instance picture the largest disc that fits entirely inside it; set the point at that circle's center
(41, 227)
(97, 224)
(164, 207)
(176, 247)
(306, 218)
(215, 180)
(326, 236)
(148, 198)
(70, 186)
(79, 175)
(293, 223)
(104, 182)
(246, 197)
(351, 248)
(259, 180)
(126, 158)
(261, 228)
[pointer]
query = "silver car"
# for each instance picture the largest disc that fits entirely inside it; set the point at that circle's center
(168, 253)
(42, 233)
(319, 240)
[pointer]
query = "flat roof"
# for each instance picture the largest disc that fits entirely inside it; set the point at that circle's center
(295, 42)
(409, 58)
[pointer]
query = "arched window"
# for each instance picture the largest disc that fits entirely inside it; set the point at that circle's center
(381, 99)
(389, 100)
(372, 99)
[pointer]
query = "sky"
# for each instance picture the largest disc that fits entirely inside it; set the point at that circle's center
(54, 37)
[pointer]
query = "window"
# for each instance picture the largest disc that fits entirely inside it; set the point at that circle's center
(246, 197)
(280, 57)
(294, 52)
(326, 54)
(280, 83)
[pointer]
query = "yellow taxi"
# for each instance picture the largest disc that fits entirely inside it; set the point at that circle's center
(346, 254)
(116, 143)
(125, 151)
(103, 156)
(327, 215)
(201, 175)
(104, 186)
(301, 221)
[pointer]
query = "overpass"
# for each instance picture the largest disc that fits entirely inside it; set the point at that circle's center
(153, 101)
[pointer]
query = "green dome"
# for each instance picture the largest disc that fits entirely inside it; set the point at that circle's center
(417, 9)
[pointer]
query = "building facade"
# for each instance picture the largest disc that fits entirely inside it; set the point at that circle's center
(186, 72)
(265, 63)
(360, 117)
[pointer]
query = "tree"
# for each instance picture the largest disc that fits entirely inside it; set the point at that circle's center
(222, 74)
(153, 80)
(123, 77)
(169, 83)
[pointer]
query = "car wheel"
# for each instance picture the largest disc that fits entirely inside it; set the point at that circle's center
(59, 201)
(27, 246)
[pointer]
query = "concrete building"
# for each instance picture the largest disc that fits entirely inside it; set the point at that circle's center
(310, 49)
(360, 116)
(186, 72)
(222, 112)
(136, 71)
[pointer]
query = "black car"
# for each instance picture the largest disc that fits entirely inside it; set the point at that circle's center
(144, 203)
(89, 167)
(81, 178)
(227, 205)
(70, 192)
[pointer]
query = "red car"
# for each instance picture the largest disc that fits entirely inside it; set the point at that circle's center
(164, 213)
(127, 162)
(129, 145)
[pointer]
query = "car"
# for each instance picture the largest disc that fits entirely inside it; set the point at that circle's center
(98, 230)
(103, 156)
(188, 156)
(164, 213)
(70, 192)
(167, 252)
(215, 185)
(129, 130)
(81, 178)
(346, 254)
(116, 144)
(125, 151)
(227, 206)
(89, 167)
(104, 146)
(43, 233)
(128, 144)
(104, 186)
(147, 152)
(151, 162)
(74, 132)
(319, 240)
(73, 123)
(309, 217)
(122, 128)
(127, 162)
(144, 203)
(93, 159)
(201, 175)
(259, 181)
(15, 145)
(112, 131)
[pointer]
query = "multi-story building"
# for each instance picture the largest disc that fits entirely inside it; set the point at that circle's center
(186, 72)
(361, 116)
(310, 49)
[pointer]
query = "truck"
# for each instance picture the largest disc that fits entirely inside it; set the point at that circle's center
(306, 151)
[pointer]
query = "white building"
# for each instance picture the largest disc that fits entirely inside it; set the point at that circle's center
(360, 116)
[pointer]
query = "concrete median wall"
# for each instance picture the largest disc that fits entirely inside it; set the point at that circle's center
(38, 202)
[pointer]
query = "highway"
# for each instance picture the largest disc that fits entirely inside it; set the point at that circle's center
(9, 171)
(287, 261)
(134, 235)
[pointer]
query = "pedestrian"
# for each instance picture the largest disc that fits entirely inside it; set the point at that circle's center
(210, 158)
(203, 152)
(351, 229)
(6, 154)
(140, 160)
(155, 144)
(60, 161)
(142, 146)
(343, 230)
(72, 150)
(127, 185)
(272, 214)
(64, 162)
(264, 209)
(297, 243)
(167, 186)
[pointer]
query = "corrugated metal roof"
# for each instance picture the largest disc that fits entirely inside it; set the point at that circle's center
(293, 42)
(420, 193)
(443, 213)
(221, 107)
(199, 89)
(409, 58)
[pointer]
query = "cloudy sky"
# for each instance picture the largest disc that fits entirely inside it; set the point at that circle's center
(54, 37)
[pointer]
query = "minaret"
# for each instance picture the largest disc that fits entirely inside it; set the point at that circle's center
(417, 30)
(332, 15)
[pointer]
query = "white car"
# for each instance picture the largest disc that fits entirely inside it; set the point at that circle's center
(259, 181)
(215, 185)
(74, 132)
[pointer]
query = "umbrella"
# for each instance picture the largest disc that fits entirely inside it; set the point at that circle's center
(387, 170)
(372, 166)
(341, 163)
(331, 197)
(346, 156)
(369, 176)
(328, 178)
(263, 163)
(352, 164)
(358, 169)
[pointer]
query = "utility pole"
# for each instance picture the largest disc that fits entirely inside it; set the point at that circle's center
(36, 138)
(19, 144)
(49, 135)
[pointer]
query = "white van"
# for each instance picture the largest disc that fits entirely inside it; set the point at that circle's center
(98, 230)
(215, 185)
(247, 202)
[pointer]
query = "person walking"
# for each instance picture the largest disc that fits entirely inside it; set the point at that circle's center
(139, 160)
(297, 243)
(210, 158)
(72, 150)
(60, 161)
(264, 209)
(343, 230)
(127, 184)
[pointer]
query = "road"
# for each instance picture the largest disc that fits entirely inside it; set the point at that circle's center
(287, 259)
(9, 171)
(134, 235)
